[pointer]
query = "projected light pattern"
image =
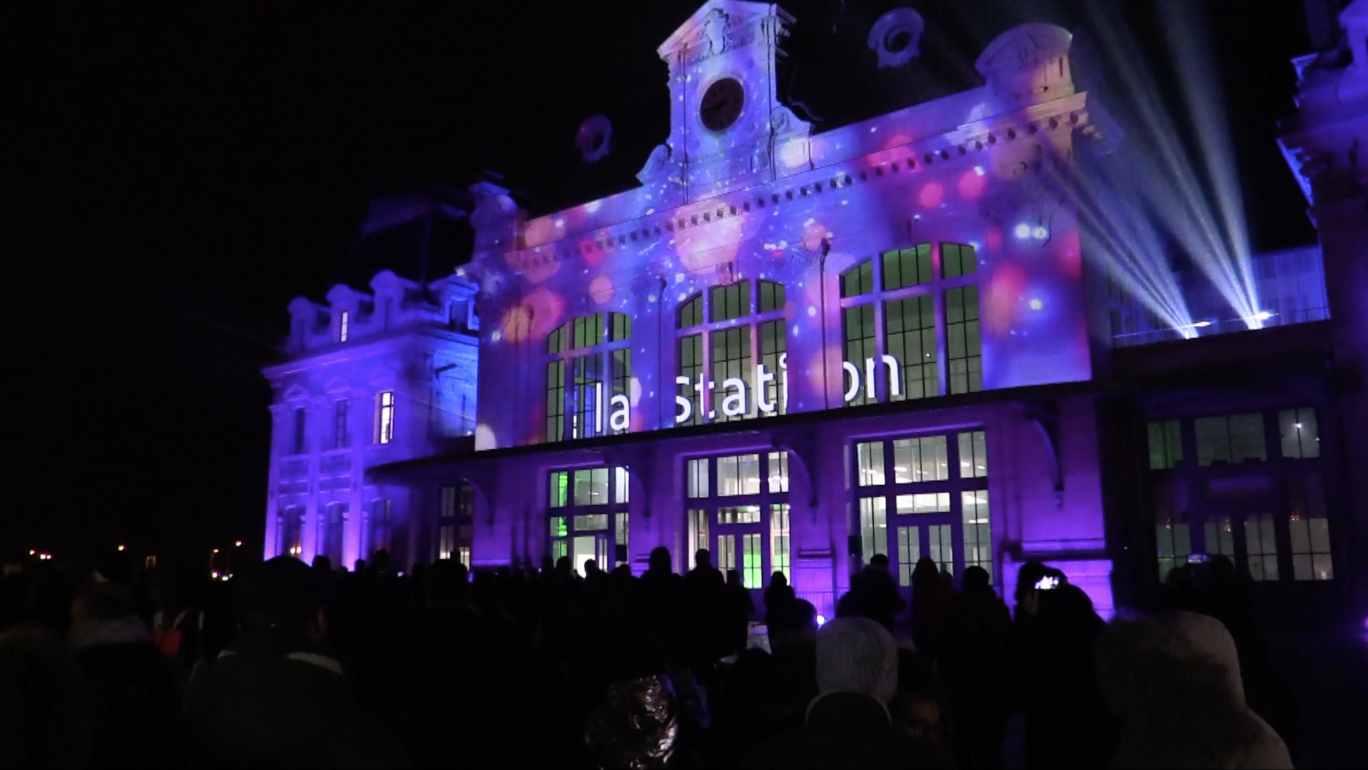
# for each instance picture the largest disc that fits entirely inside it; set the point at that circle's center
(762, 201)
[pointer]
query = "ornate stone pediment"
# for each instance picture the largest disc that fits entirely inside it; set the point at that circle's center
(717, 27)
(1028, 63)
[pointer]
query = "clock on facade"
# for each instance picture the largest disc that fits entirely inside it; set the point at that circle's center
(722, 104)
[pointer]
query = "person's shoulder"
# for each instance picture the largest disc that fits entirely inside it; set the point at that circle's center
(787, 750)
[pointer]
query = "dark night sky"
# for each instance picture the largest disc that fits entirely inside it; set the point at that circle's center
(181, 171)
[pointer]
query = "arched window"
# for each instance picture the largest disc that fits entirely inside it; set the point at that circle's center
(899, 314)
(732, 354)
(589, 377)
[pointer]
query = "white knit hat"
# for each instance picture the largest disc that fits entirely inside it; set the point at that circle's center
(857, 655)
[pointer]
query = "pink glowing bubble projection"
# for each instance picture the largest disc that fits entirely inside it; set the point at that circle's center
(601, 289)
(819, 376)
(591, 251)
(1070, 254)
(993, 238)
(931, 195)
(1003, 298)
(813, 233)
(700, 248)
(972, 183)
(534, 318)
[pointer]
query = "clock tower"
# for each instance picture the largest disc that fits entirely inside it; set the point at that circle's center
(728, 129)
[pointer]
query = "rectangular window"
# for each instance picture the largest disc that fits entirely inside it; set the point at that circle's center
(738, 475)
(446, 544)
(725, 555)
(909, 552)
(973, 455)
(860, 346)
(448, 509)
(873, 527)
(384, 427)
(730, 301)
(773, 348)
(930, 502)
(1165, 445)
(964, 349)
(620, 327)
(1230, 439)
(1172, 531)
(342, 326)
(691, 367)
(870, 456)
(620, 485)
(591, 522)
(587, 417)
(978, 537)
(340, 437)
(778, 471)
(697, 534)
(858, 281)
(779, 539)
(463, 555)
(910, 337)
(771, 296)
(621, 363)
(1309, 529)
(691, 312)
(957, 259)
(557, 340)
(739, 514)
(731, 359)
(621, 529)
(591, 486)
(587, 331)
(560, 489)
(1261, 546)
(752, 561)
(942, 548)
(1219, 535)
(698, 478)
(907, 267)
(559, 527)
(300, 438)
(920, 459)
(555, 401)
(1300, 437)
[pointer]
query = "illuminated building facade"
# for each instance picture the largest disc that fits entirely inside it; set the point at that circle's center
(368, 379)
(801, 349)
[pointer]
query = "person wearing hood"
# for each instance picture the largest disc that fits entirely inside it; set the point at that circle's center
(276, 697)
(133, 689)
(848, 724)
(1175, 683)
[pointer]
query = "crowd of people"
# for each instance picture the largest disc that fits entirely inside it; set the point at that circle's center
(308, 666)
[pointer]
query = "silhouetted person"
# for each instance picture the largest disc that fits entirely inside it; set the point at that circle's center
(975, 664)
(44, 713)
(135, 697)
(778, 592)
(705, 588)
(1067, 722)
(848, 724)
(792, 629)
(360, 567)
(1175, 683)
(322, 563)
(917, 708)
(660, 602)
(931, 599)
(738, 608)
(873, 594)
(276, 697)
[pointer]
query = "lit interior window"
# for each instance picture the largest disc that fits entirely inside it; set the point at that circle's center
(385, 421)
(342, 326)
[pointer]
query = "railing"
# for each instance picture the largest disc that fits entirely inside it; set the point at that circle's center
(1212, 328)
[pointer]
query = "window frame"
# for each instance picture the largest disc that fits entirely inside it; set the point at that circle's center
(386, 408)
(598, 351)
(761, 318)
(888, 493)
(869, 294)
(614, 536)
(710, 513)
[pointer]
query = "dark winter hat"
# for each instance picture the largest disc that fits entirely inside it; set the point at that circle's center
(283, 594)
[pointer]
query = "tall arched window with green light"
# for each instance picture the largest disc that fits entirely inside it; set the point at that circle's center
(589, 377)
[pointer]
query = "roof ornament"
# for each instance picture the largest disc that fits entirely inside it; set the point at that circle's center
(896, 37)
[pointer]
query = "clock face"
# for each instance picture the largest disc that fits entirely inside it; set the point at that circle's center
(722, 104)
